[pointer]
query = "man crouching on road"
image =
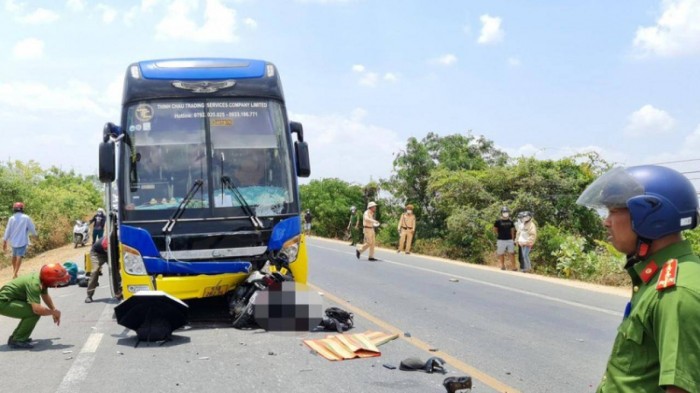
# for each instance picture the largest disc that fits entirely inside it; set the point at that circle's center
(657, 346)
(21, 298)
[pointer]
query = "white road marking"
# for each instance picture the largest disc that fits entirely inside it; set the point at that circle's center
(79, 370)
(506, 288)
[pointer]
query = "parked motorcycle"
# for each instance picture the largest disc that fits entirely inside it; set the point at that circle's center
(81, 233)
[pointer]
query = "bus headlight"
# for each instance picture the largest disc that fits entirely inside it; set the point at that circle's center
(290, 248)
(133, 263)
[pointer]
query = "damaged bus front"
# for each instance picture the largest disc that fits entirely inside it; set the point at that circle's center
(206, 170)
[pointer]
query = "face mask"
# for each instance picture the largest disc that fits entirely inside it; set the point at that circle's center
(409, 211)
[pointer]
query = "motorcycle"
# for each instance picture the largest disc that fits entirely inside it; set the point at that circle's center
(81, 233)
(242, 299)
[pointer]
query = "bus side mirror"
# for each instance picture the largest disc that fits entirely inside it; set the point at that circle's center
(296, 128)
(107, 166)
(301, 150)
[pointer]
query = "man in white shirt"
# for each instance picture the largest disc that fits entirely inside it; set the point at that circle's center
(17, 232)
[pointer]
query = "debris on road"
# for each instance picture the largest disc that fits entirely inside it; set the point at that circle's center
(433, 349)
(407, 334)
(454, 280)
(204, 358)
(453, 384)
(350, 346)
(389, 366)
(434, 364)
(66, 352)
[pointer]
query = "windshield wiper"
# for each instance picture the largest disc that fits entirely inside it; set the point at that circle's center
(226, 181)
(168, 227)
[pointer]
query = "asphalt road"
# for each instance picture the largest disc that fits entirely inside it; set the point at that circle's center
(510, 331)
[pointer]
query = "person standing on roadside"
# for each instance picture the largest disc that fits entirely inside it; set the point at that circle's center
(527, 237)
(406, 228)
(17, 232)
(519, 227)
(368, 223)
(21, 298)
(658, 340)
(504, 229)
(307, 222)
(354, 225)
(98, 227)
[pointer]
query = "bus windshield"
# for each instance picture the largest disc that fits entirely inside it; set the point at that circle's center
(237, 147)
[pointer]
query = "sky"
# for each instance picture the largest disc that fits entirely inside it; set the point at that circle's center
(544, 79)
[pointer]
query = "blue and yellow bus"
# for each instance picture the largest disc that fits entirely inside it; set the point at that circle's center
(201, 177)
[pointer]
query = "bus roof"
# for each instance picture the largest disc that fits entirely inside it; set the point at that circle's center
(204, 68)
(180, 78)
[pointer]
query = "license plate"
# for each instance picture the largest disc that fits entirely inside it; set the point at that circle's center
(215, 291)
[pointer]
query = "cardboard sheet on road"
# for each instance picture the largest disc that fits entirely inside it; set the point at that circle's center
(350, 346)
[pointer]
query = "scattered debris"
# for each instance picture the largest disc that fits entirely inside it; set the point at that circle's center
(453, 384)
(406, 334)
(579, 340)
(120, 353)
(433, 349)
(454, 280)
(389, 366)
(69, 358)
(507, 372)
(66, 352)
(434, 364)
(271, 353)
(204, 358)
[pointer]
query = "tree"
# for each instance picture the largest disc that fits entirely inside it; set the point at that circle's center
(329, 201)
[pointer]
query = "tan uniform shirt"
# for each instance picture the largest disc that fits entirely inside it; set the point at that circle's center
(407, 222)
(368, 220)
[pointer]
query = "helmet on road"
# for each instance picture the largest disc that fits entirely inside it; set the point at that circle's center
(661, 201)
(53, 274)
(18, 207)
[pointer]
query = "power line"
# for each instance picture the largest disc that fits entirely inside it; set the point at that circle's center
(676, 162)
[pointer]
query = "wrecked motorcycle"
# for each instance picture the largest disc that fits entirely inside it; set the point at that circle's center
(242, 299)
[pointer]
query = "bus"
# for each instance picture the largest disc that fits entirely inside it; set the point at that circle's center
(201, 177)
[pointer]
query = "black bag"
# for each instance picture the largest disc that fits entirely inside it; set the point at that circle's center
(337, 319)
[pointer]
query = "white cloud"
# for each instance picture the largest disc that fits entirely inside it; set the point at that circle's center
(13, 6)
(109, 14)
(358, 68)
(251, 23)
(491, 31)
(391, 77)
(513, 62)
(349, 148)
(324, 2)
(446, 60)
(39, 16)
(369, 79)
(649, 120)
(75, 5)
(219, 22)
(676, 32)
(556, 153)
(33, 97)
(28, 49)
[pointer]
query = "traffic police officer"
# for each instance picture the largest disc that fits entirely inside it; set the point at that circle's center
(406, 228)
(657, 348)
(369, 223)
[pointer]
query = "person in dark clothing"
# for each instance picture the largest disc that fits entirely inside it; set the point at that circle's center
(98, 256)
(504, 228)
(98, 221)
(307, 222)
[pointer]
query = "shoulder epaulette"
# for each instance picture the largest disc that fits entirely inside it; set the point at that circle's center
(668, 276)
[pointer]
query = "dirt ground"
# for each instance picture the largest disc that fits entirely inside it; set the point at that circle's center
(57, 255)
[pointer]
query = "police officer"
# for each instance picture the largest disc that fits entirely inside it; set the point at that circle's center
(406, 228)
(369, 223)
(657, 347)
(354, 225)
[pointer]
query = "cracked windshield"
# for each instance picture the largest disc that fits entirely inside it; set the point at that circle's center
(169, 153)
